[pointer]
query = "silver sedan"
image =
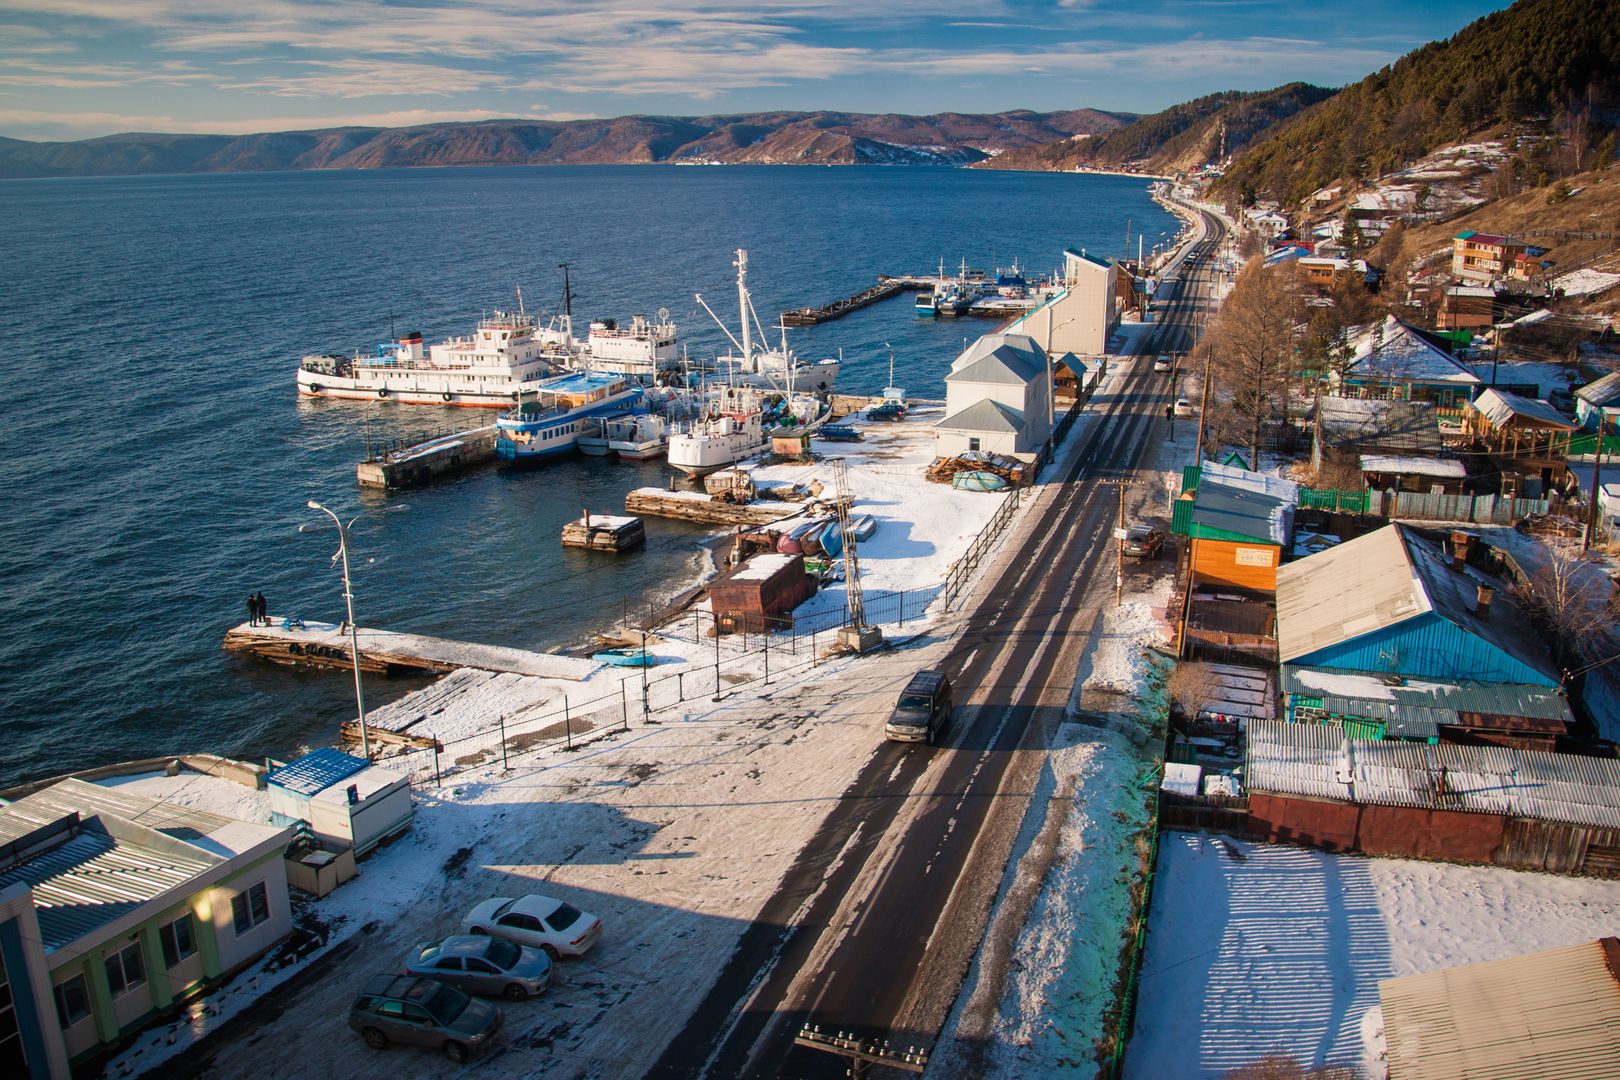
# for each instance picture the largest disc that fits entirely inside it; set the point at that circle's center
(483, 965)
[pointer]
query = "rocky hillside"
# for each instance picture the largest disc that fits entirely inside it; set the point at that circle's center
(818, 138)
(1182, 137)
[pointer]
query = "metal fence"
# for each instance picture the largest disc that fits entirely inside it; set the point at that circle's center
(1433, 506)
(739, 660)
(961, 570)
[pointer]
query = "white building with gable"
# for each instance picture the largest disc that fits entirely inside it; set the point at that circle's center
(1081, 318)
(998, 399)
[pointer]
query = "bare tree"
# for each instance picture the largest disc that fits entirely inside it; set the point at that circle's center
(1192, 685)
(1253, 342)
(1568, 597)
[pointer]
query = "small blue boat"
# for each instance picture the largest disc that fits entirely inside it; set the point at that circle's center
(630, 656)
(977, 480)
(831, 540)
(863, 526)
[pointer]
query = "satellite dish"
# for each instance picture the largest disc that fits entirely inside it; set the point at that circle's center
(663, 314)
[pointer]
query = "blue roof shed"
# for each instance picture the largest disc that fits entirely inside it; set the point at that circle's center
(316, 771)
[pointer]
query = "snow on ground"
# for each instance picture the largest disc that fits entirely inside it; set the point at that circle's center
(199, 791)
(1585, 282)
(1256, 949)
(461, 653)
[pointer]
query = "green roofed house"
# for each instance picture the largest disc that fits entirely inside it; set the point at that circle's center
(114, 907)
(1390, 637)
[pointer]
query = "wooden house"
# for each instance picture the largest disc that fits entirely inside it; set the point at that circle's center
(1239, 523)
(760, 595)
(1527, 439)
(1391, 359)
(1466, 307)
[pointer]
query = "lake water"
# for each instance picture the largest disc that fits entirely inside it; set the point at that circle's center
(156, 461)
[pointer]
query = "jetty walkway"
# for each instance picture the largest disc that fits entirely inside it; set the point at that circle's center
(387, 652)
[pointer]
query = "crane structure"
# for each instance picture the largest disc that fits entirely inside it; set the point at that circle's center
(856, 635)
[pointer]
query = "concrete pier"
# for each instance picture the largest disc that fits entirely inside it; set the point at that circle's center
(705, 509)
(423, 463)
(604, 532)
(385, 652)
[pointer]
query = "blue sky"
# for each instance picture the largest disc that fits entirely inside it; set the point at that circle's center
(80, 68)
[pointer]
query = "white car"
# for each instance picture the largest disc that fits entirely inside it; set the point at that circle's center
(1162, 364)
(540, 922)
(1183, 407)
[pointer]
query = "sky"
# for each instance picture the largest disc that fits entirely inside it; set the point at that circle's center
(73, 69)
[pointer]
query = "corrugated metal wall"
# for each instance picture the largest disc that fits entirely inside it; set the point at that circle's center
(1427, 645)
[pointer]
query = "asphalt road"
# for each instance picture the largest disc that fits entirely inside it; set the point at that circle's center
(875, 925)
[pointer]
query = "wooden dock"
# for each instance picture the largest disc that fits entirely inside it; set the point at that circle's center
(386, 652)
(705, 509)
(604, 532)
(419, 464)
(885, 288)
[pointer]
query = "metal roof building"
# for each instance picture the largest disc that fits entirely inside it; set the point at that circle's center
(1318, 762)
(316, 771)
(1551, 1015)
(1419, 708)
(1391, 602)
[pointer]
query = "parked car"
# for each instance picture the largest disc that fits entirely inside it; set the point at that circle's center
(541, 922)
(923, 711)
(1562, 399)
(1163, 363)
(480, 964)
(888, 410)
(1142, 542)
(422, 1012)
(1183, 407)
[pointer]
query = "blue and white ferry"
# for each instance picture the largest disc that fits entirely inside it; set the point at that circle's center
(550, 424)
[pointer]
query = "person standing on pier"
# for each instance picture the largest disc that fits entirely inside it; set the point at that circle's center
(264, 608)
(253, 610)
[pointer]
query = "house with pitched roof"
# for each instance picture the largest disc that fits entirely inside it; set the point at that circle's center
(1240, 522)
(114, 907)
(1484, 257)
(998, 399)
(1391, 636)
(1391, 359)
(1081, 317)
(1599, 401)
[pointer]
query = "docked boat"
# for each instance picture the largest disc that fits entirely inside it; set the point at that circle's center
(550, 424)
(732, 430)
(796, 539)
(504, 357)
(638, 437)
(863, 526)
(592, 440)
(927, 303)
(642, 351)
(778, 369)
(952, 298)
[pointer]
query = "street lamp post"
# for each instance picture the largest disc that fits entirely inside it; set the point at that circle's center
(354, 633)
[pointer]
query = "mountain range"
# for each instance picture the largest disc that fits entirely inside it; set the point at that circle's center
(775, 138)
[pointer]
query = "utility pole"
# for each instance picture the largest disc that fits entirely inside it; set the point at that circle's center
(1203, 411)
(1119, 542)
(1597, 488)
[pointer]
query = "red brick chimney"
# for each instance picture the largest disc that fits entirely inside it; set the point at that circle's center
(1483, 607)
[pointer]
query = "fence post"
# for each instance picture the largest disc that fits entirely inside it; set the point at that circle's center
(437, 782)
(680, 687)
(505, 765)
(716, 656)
(767, 651)
(902, 607)
(568, 731)
(624, 706)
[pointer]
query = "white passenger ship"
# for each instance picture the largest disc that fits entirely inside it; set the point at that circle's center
(506, 356)
(549, 425)
(643, 350)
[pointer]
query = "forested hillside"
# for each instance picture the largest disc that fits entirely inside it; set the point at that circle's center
(1553, 62)
(1181, 137)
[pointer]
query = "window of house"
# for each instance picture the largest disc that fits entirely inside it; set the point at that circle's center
(125, 971)
(250, 908)
(72, 1001)
(973, 444)
(177, 940)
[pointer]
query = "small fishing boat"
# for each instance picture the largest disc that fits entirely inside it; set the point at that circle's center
(831, 539)
(628, 656)
(639, 437)
(792, 541)
(592, 438)
(977, 480)
(862, 527)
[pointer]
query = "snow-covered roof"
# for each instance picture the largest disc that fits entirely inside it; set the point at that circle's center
(1392, 351)
(1317, 761)
(1418, 708)
(986, 414)
(1383, 579)
(1478, 291)
(1600, 392)
(762, 567)
(1502, 408)
(1449, 468)
(1236, 500)
(1387, 424)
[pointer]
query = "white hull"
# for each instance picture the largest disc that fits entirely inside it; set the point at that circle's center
(407, 392)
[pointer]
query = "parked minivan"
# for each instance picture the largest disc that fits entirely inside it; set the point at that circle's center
(923, 711)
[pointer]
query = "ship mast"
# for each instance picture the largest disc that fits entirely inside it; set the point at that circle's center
(743, 304)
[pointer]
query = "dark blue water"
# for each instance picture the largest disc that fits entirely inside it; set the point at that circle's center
(155, 460)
